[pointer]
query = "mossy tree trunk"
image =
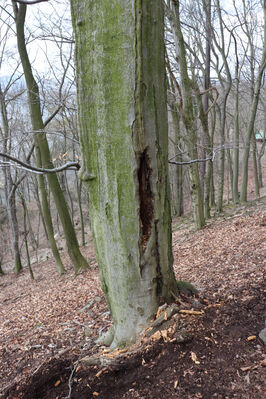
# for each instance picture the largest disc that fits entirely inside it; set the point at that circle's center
(235, 193)
(179, 205)
(188, 116)
(41, 143)
(177, 189)
(47, 218)
(123, 133)
(10, 186)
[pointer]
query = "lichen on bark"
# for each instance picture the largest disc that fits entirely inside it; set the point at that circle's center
(123, 134)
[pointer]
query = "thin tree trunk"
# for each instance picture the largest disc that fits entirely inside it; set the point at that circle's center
(10, 190)
(253, 112)
(79, 190)
(188, 117)
(48, 219)
(235, 193)
(41, 142)
(26, 235)
(255, 167)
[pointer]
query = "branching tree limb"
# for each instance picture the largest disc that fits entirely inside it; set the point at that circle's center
(34, 169)
(29, 2)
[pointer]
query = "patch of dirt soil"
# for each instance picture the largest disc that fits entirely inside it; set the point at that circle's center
(48, 324)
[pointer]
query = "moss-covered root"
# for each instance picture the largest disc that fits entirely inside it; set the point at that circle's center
(106, 338)
(183, 287)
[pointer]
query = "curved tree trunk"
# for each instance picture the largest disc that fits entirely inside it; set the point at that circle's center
(123, 134)
(41, 143)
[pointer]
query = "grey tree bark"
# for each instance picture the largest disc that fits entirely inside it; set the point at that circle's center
(41, 143)
(187, 114)
(10, 186)
(253, 112)
(121, 91)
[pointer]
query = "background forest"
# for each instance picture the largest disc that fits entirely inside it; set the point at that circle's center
(132, 157)
(215, 65)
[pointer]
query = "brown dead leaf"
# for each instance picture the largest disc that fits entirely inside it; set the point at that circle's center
(263, 362)
(156, 336)
(58, 382)
(251, 338)
(109, 355)
(99, 373)
(214, 305)
(78, 368)
(96, 393)
(123, 350)
(164, 334)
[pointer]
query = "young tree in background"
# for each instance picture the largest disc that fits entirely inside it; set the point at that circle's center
(254, 105)
(41, 143)
(187, 112)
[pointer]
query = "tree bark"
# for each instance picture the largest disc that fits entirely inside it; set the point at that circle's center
(188, 117)
(41, 143)
(10, 189)
(253, 112)
(121, 89)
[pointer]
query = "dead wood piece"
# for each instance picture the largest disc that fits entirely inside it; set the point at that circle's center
(116, 362)
(166, 315)
(164, 326)
(182, 336)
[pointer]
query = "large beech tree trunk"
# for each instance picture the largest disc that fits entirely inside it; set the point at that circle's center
(123, 132)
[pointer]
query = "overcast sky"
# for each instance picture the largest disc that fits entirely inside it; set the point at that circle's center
(44, 19)
(41, 19)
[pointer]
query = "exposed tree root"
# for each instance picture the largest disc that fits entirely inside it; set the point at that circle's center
(167, 326)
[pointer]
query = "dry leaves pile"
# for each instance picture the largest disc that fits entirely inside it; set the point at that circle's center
(46, 317)
(53, 315)
(225, 253)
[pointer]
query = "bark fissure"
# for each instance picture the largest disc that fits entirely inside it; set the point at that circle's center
(146, 207)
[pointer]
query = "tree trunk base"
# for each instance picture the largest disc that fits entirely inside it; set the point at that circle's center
(167, 327)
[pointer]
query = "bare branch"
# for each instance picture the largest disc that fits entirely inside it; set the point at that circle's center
(29, 2)
(181, 163)
(34, 169)
(190, 162)
(48, 120)
(215, 100)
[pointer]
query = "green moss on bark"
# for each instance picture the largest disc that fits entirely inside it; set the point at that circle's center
(122, 116)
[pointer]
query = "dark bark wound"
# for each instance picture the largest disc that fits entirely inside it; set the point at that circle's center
(145, 198)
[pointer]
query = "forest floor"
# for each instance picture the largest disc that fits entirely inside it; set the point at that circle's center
(50, 323)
